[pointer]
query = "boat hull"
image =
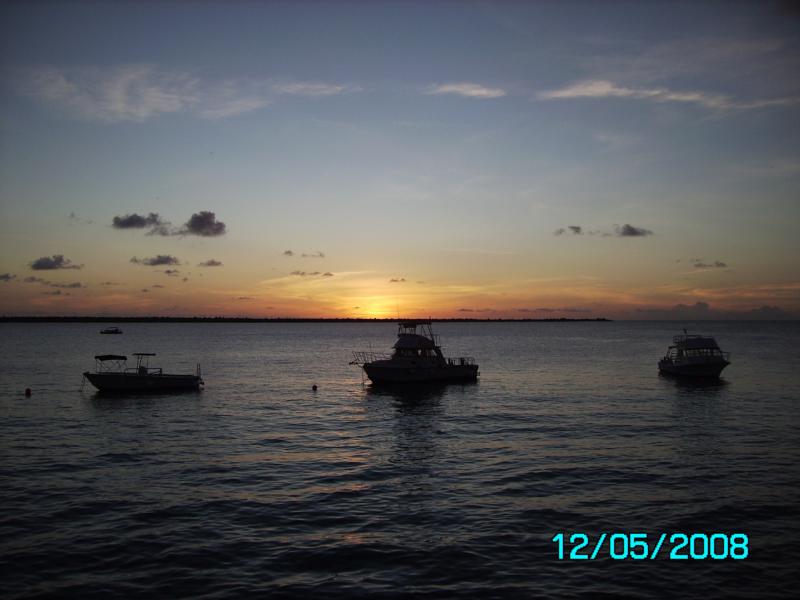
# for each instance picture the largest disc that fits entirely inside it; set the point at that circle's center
(131, 382)
(420, 374)
(707, 370)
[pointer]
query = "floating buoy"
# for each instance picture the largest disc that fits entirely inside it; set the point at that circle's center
(314, 387)
(27, 392)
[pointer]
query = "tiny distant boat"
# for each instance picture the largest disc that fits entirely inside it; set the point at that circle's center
(111, 375)
(111, 330)
(417, 358)
(694, 356)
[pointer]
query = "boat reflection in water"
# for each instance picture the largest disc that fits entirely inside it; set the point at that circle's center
(111, 375)
(417, 358)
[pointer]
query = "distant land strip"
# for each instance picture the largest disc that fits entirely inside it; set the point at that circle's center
(5, 319)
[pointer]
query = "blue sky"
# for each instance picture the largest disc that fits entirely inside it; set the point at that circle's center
(434, 153)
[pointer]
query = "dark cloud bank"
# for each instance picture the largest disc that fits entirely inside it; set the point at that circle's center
(203, 223)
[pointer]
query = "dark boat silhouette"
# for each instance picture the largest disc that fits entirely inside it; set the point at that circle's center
(694, 356)
(111, 330)
(111, 375)
(417, 358)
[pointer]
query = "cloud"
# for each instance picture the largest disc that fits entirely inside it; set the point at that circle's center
(136, 221)
(156, 261)
(717, 264)
(203, 223)
(53, 284)
(57, 293)
(57, 261)
(468, 90)
(574, 229)
(145, 290)
(313, 89)
(158, 285)
(311, 274)
(601, 88)
(171, 272)
(245, 298)
(138, 92)
(401, 280)
(288, 253)
(704, 311)
(475, 310)
(5, 277)
(631, 231)
(316, 254)
(553, 310)
(210, 263)
(73, 217)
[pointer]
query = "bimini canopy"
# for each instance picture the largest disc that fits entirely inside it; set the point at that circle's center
(413, 341)
(105, 357)
(698, 343)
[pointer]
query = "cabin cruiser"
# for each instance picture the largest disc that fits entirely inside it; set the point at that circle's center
(111, 330)
(111, 375)
(417, 358)
(694, 356)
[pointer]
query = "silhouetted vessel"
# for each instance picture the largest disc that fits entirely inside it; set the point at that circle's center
(417, 358)
(694, 356)
(111, 375)
(112, 330)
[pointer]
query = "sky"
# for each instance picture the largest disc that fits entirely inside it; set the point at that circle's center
(628, 160)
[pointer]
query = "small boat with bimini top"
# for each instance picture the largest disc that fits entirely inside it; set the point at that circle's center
(111, 375)
(417, 358)
(694, 356)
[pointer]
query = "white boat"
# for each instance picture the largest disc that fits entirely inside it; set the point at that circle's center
(417, 358)
(694, 356)
(111, 375)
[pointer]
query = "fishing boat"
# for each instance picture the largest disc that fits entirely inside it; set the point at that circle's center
(112, 375)
(417, 358)
(694, 356)
(111, 330)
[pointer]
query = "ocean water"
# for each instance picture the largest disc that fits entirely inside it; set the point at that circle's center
(258, 486)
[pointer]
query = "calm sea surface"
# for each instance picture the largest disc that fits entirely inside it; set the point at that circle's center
(259, 486)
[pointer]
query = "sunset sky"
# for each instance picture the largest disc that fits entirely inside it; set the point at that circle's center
(490, 160)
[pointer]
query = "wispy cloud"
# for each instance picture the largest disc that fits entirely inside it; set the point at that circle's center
(600, 88)
(138, 92)
(468, 90)
(307, 88)
(54, 284)
(6, 277)
(717, 264)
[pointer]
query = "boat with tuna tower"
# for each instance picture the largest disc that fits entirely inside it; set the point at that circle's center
(417, 358)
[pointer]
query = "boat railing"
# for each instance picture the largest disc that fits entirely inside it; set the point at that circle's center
(461, 360)
(142, 370)
(677, 339)
(360, 358)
